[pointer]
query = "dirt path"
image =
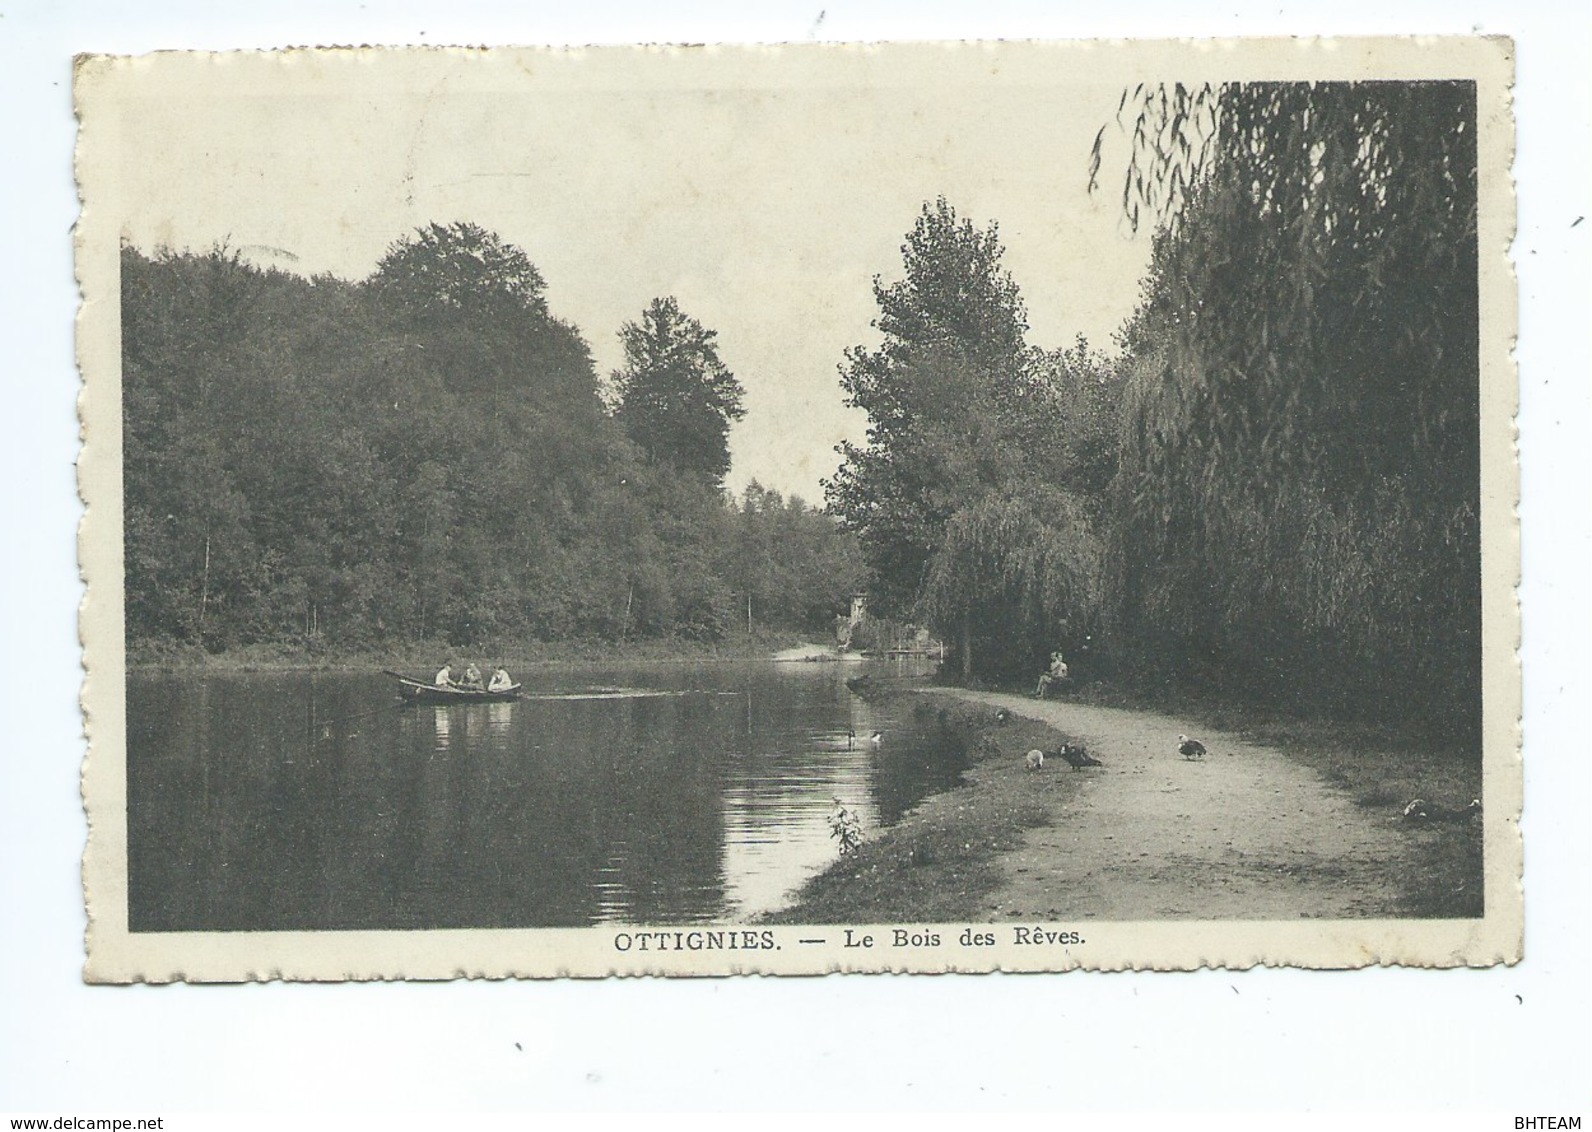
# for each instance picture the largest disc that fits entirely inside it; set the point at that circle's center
(1248, 833)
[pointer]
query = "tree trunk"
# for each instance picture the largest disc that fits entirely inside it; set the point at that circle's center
(967, 648)
(204, 588)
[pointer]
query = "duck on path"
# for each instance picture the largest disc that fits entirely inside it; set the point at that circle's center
(1078, 757)
(1422, 810)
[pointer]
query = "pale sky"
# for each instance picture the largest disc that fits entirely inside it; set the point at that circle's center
(762, 187)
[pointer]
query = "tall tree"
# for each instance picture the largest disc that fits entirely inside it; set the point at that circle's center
(491, 391)
(952, 348)
(974, 443)
(676, 397)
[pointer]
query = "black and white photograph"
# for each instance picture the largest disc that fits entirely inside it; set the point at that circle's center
(698, 510)
(859, 563)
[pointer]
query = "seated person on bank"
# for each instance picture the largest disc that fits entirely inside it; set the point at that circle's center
(1055, 674)
(500, 680)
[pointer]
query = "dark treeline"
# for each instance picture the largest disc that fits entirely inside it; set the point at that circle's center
(1271, 490)
(429, 456)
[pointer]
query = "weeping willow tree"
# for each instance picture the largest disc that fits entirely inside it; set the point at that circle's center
(1012, 577)
(1297, 498)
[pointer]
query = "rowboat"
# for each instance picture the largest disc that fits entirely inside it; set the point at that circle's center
(419, 692)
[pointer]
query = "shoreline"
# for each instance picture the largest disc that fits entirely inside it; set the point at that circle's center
(539, 656)
(1281, 822)
(940, 862)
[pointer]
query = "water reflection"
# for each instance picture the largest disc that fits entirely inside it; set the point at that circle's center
(499, 717)
(676, 794)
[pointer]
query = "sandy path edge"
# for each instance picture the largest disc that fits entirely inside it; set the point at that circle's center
(1247, 833)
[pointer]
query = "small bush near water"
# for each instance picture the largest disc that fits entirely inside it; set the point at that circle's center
(846, 827)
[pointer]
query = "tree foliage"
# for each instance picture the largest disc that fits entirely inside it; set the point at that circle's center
(1015, 576)
(954, 291)
(676, 398)
(788, 562)
(952, 331)
(442, 268)
(1298, 497)
(423, 456)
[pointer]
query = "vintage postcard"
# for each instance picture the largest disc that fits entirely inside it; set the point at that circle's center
(799, 509)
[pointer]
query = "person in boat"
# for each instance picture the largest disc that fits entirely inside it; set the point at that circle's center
(444, 677)
(501, 681)
(1055, 674)
(472, 678)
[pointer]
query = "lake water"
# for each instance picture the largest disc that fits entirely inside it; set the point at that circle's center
(665, 794)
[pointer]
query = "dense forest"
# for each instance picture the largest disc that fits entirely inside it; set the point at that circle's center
(1270, 489)
(429, 456)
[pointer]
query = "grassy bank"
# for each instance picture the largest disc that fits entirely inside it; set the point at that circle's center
(1383, 773)
(938, 865)
(424, 656)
